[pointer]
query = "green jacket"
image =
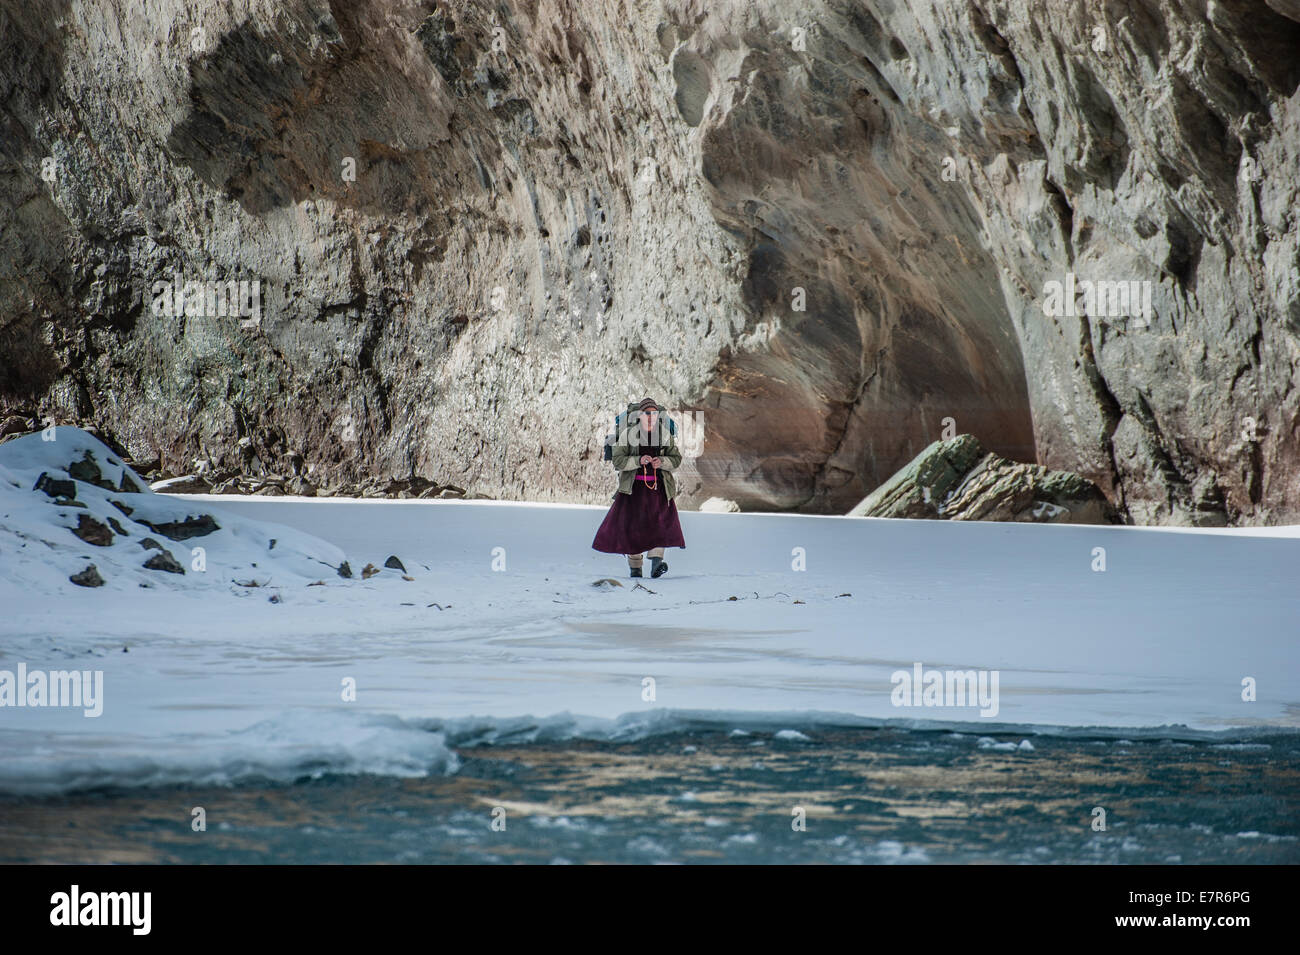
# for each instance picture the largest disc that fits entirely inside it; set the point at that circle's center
(626, 455)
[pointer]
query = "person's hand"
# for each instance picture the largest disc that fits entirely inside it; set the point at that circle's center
(657, 462)
(646, 459)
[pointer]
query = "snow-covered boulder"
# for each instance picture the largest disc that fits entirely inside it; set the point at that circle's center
(68, 503)
(720, 505)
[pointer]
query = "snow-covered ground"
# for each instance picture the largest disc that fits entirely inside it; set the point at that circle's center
(500, 633)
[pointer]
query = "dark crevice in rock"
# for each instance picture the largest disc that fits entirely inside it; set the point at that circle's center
(1255, 475)
(997, 45)
(882, 85)
(1107, 403)
(1185, 245)
(1064, 215)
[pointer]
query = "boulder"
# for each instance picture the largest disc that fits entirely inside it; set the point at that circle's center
(88, 577)
(92, 531)
(56, 487)
(87, 471)
(300, 487)
(959, 480)
(163, 560)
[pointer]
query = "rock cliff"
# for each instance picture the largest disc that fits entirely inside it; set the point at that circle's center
(823, 233)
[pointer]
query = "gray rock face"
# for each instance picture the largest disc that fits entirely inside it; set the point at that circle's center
(958, 480)
(817, 230)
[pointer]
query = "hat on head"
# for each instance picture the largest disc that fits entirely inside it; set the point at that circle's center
(647, 404)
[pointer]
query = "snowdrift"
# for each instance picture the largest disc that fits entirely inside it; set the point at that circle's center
(68, 504)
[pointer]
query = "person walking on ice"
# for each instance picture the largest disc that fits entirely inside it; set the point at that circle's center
(643, 516)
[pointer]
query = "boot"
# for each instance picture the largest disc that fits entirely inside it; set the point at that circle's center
(658, 567)
(635, 572)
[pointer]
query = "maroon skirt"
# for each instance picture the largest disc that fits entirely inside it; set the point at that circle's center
(639, 521)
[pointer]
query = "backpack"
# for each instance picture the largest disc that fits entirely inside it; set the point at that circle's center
(620, 422)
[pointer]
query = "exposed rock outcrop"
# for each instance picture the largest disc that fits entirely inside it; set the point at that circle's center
(958, 480)
(57, 488)
(87, 578)
(44, 539)
(164, 561)
(199, 526)
(276, 485)
(92, 531)
(826, 227)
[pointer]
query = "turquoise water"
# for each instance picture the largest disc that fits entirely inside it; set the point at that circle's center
(867, 796)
